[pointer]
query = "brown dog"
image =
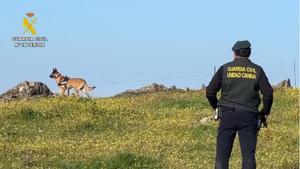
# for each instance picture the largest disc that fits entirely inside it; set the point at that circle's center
(65, 83)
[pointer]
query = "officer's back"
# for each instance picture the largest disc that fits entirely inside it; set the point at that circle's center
(240, 82)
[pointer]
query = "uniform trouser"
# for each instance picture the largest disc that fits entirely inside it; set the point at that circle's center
(244, 123)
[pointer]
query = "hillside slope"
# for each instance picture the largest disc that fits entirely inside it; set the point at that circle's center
(161, 130)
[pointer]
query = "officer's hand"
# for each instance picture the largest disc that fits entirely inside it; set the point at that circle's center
(264, 121)
(216, 114)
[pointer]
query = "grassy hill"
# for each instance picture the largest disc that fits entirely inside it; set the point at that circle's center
(161, 130)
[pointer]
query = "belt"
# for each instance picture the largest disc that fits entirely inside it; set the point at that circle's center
(226, 108)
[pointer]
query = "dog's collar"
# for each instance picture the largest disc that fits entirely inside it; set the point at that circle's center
(62, 83)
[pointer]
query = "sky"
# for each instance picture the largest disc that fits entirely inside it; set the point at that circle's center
(119, 45)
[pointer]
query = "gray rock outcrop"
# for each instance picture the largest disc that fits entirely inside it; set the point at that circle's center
(284, 84)
(154, 87)
(26, 89)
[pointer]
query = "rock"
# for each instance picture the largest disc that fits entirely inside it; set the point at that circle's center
(284, 84)
(26, 89)
(172, 88)
(206, 120)
(154, 87)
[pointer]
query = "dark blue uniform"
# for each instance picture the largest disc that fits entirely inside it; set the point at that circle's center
(240, 82)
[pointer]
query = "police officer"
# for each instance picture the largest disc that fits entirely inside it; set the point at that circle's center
(240, 82)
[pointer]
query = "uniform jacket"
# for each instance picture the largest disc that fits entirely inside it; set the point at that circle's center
(240, 82)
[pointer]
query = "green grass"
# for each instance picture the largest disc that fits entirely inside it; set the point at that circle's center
(161, 130)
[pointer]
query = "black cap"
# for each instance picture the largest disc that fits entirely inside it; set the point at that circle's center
(241, 45)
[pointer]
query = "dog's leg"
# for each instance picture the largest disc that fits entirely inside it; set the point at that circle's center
(62, 91)
(87, 94)
(77, 92)
(68, 91)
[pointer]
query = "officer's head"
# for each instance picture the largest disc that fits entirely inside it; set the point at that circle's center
(242, 48)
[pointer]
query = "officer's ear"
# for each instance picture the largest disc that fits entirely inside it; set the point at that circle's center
(234, 55)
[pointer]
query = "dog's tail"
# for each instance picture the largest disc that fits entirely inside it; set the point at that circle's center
(87, 88)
